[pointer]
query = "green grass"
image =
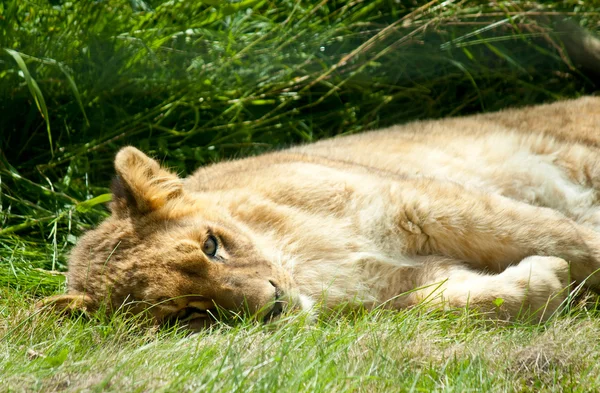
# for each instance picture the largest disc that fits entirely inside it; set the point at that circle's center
(386, 351)
(195, 82)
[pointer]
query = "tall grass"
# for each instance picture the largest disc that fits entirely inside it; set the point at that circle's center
(192, 82)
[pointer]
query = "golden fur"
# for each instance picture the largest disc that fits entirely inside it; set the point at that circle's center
(457, 212)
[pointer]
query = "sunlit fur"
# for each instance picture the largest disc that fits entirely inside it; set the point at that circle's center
(453, 212)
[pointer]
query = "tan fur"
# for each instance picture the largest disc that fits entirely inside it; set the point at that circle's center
(455, 212)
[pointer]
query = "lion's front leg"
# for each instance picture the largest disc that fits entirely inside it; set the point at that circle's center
(490, 231)
(534, 288)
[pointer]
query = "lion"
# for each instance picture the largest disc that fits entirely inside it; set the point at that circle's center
(496, 212)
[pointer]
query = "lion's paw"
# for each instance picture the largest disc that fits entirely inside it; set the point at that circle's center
(543, 281)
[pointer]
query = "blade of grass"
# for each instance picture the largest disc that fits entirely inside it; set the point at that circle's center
(75, 90)
(36, 93)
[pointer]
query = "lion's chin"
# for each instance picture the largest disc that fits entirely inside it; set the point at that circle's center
(306, 303)
(199, 324)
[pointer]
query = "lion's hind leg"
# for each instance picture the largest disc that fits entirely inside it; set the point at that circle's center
(533, 289)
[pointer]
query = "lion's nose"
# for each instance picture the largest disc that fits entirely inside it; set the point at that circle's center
(277, 290)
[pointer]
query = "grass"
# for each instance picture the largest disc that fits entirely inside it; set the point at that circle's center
(379, 351)
(197, 82)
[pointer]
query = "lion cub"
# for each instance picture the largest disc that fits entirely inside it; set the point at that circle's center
(456, 212)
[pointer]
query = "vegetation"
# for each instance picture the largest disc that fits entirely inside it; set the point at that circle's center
(193, 82)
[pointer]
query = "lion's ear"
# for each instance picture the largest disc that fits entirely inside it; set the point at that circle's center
(68, 303)
(141, 185)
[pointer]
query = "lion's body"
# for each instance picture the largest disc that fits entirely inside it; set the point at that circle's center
(479, 208)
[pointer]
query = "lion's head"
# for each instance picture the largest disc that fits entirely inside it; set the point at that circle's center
(172, 252)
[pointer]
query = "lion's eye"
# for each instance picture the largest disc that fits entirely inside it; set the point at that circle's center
(210, 246)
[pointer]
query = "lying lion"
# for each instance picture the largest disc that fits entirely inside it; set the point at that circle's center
(494, 212)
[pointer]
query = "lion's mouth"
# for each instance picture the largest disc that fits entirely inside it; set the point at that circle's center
(195, 316)
(199, 315)
(190, 313)
(274, 312)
